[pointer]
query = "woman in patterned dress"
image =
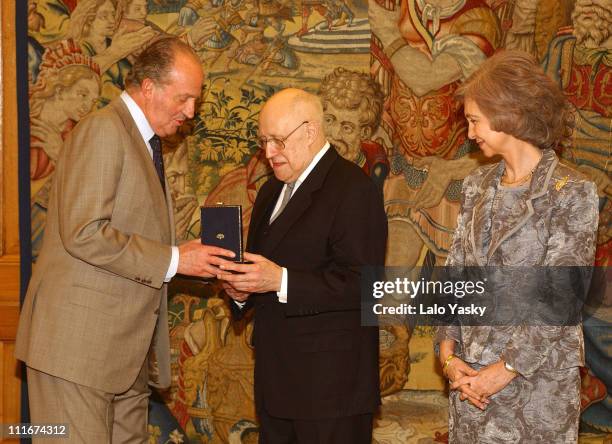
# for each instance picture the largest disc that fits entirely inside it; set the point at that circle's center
(520, 383)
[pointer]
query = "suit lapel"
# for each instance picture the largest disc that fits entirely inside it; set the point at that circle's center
(481, 215)
(159, 358)
(161, 204)
(482, 210)
(262, 210)
(299, 202)
(511, 224)
(170, 212)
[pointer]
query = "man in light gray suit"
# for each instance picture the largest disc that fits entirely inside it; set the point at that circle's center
(93, 329)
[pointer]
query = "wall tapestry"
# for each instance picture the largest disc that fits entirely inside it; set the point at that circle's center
(386, 71)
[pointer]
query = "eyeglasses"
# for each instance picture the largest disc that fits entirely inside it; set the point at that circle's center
(275, 142)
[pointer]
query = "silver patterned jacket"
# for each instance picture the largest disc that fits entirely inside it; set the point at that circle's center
(555, 225)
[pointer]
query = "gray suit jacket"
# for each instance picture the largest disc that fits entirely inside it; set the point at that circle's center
(97, 298)
(555, 226)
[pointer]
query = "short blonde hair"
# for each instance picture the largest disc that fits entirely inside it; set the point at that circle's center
(519, 99)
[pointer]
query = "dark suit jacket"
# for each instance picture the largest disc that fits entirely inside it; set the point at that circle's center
(313, 358)
(97, 294)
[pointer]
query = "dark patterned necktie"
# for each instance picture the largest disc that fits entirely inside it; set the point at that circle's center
(158, 160)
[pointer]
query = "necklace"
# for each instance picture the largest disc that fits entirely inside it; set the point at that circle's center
(520, 180)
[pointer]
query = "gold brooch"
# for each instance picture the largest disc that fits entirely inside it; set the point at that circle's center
(561, 183)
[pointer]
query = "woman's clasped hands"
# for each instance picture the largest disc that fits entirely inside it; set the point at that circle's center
(477, 386)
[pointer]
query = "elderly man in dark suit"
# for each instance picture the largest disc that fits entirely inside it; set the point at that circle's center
(96, 305)
(315, 224)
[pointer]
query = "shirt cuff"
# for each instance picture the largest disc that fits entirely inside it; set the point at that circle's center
(282, 294)
(173, 264)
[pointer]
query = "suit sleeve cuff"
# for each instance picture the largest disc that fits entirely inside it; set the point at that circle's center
(282, 294)
(173, 264)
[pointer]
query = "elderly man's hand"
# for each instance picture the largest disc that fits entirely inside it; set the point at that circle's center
(237, 295)
(196, 259)
(261, 276)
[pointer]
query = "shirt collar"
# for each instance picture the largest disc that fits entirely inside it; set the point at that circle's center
(144, 128)
(311, 166)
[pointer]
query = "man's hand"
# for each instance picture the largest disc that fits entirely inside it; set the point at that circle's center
(237, 295)
(261, 276)
(489, 380)
(196, 259)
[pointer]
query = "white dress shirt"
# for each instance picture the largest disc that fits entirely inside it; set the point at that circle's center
(282, 294)
(145, 130)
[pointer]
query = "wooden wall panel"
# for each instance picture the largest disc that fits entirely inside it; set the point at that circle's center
(9, 219)
(9, 411)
